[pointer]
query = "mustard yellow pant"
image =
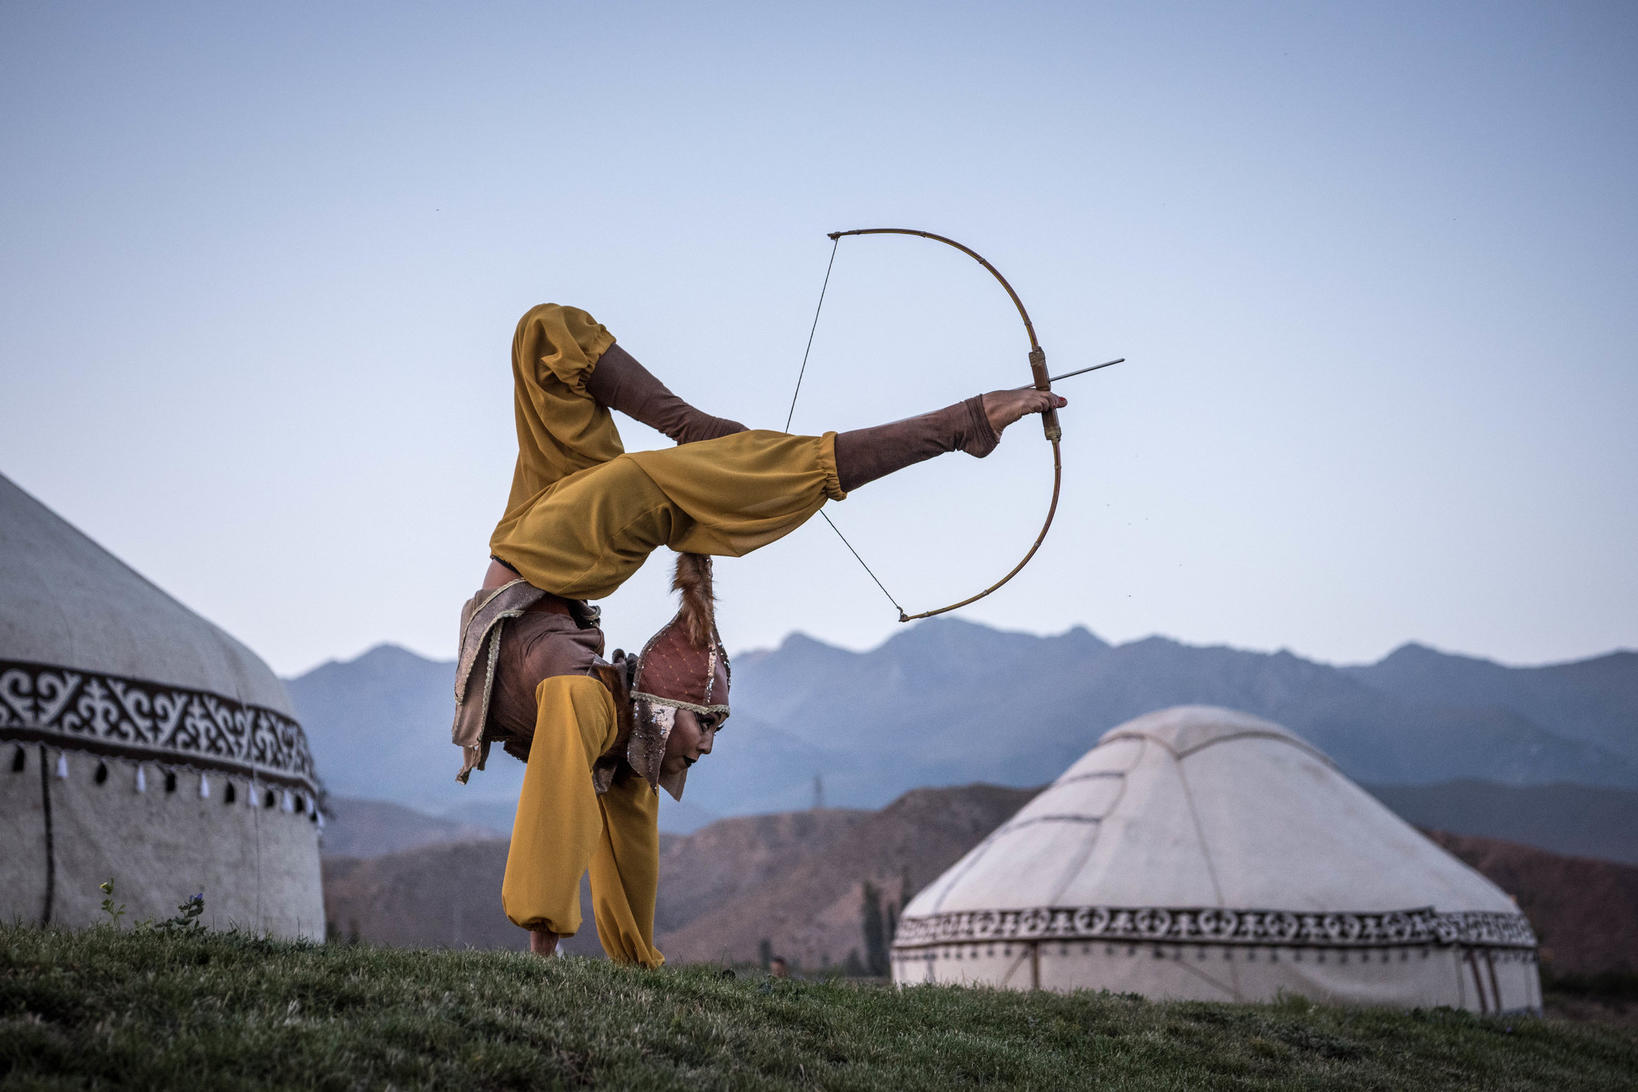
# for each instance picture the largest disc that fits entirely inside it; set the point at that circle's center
(583, 514)
(563, 826)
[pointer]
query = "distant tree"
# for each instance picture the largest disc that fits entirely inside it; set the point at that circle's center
(853, 968)
(875, 931)
(764, 952)
(895, 908)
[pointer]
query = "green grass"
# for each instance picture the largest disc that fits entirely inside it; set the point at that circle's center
(147, 1009)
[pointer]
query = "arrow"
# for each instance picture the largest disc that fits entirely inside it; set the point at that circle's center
(1077, 371)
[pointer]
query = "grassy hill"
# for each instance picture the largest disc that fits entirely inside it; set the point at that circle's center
(149, 1010)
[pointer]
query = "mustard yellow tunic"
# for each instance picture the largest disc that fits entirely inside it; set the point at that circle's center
(582, 517)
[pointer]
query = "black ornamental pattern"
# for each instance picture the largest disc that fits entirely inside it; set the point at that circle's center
(109, 714)
(1424, 926)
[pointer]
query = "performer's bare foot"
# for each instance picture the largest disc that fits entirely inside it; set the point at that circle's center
(543, 942)
(1005, 407)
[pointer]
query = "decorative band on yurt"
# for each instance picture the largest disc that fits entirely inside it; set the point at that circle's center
(137, 720)
(1214, 926)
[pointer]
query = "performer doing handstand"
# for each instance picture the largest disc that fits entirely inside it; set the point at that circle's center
(600, 737)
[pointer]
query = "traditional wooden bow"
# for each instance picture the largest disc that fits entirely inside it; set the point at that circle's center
(1040, 381)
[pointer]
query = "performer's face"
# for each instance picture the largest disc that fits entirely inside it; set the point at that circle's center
(691, 736)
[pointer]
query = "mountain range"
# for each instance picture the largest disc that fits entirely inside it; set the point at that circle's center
(948, 702)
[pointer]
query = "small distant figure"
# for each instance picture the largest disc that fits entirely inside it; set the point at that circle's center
(778, 968)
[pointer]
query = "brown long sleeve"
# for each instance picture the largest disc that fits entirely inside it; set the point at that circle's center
(621, 383)
(865, 454)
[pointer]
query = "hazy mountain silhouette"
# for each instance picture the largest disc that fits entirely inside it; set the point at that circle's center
(951, 702)
(1594, 701)
(373, 828)
(379, 725)
(1576, 820)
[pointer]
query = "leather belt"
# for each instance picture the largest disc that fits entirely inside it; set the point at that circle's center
(550, 604)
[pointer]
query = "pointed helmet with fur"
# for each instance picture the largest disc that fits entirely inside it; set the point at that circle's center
(683, 666)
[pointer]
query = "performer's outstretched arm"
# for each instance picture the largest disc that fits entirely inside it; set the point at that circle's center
(973, 426)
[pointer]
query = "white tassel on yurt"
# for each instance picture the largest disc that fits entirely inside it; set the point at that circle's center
(204, 787)
(142, 779)
(62, 765)
(289, 801)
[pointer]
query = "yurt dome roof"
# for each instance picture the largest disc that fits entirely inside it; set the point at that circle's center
(1184, 729)
(95, 655)
(1195, 807)
(66, 601)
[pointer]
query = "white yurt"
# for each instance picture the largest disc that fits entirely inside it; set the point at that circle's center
(140, 743)
(1207, 854)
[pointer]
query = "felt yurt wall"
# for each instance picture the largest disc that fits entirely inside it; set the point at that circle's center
(1207, 854)
(141, 744)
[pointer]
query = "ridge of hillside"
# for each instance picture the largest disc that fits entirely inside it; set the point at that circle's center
(720, 863)
(811, 912)
(796, 881)
(448, 894)
(1572, 820)
(1584, 912)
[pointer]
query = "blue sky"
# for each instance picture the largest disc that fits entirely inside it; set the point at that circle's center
(1372, 265)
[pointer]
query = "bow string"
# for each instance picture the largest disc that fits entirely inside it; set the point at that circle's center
(1039, 379)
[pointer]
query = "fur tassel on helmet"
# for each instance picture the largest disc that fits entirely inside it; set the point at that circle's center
(699, 607)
